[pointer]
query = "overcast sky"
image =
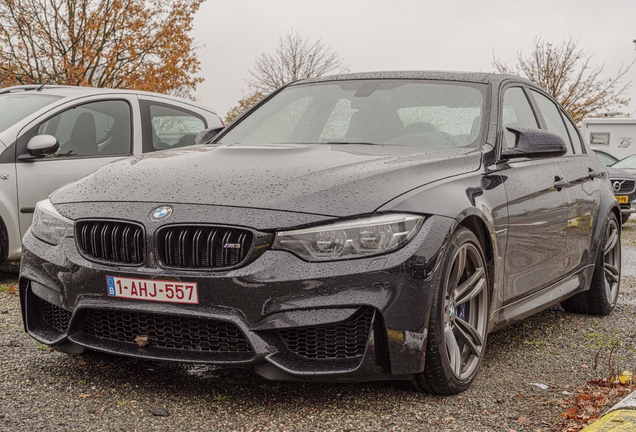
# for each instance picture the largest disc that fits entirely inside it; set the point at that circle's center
(374, 35)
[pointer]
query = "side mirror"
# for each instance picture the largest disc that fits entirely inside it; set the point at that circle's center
(535, 143)
(42, 145)
(206, 136)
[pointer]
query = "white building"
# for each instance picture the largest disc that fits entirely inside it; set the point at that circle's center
(616, 136)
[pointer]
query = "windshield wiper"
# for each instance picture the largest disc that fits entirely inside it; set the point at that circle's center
(351, 142)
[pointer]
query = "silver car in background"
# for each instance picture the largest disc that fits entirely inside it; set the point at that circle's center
(53, 135)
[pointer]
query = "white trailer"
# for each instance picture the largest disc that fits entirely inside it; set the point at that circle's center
(616, 136)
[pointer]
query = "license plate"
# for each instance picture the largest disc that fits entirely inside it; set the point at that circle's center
(622, 199)
(153, 290)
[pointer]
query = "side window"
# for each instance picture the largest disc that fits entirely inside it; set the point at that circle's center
(516, 112)
(574, 136)
(173, 127)
(95, 129)
(553, 119)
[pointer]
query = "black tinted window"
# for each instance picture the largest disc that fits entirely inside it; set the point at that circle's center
(576, 139)
(516, 112)
(552, 117)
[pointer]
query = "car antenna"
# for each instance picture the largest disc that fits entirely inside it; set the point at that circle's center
(41, 87)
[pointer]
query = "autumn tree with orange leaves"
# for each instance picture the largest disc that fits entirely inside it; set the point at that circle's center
(134, 44)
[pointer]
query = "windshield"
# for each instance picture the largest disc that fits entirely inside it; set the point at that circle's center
(629, 162)
(605, 159)
(386, 112)
(16, 106)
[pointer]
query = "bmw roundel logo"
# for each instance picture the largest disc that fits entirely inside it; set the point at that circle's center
(161, 213)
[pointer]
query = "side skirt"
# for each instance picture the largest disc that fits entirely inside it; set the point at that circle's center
(543, 299)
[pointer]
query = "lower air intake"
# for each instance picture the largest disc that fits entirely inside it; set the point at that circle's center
(166, 331)
(344, 340)
(54, 316)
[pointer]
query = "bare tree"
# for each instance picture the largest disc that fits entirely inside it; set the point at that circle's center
(295, 58)
(566, 72)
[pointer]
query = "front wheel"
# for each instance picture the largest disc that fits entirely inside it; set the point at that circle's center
(459, 319)
(601, 298)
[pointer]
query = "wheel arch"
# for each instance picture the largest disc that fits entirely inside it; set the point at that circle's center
(617, 212)
(480, 229)
(600, 227)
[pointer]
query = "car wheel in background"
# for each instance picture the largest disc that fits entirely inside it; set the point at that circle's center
(601, 298)
(459, 318)
(4, 242)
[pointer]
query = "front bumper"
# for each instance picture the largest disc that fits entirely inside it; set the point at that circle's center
(628, 208)
(286, 318)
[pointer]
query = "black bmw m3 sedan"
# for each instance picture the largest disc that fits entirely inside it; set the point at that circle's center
(353, 227)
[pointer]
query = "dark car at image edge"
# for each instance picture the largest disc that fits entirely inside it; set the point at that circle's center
(623, 183)
(624, 186)
(347, 228)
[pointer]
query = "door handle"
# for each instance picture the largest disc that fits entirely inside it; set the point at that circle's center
(595, 174)
(560, 183)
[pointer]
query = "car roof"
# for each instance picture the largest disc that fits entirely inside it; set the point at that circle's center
(477, 77)
(81, 91)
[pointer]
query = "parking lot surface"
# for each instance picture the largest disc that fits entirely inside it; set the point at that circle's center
(45, 390)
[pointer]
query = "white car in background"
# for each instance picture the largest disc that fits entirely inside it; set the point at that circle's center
(53, 135)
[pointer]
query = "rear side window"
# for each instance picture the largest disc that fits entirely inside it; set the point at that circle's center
(173, 127)
(574, 136)
(516, 112)
(552, 117)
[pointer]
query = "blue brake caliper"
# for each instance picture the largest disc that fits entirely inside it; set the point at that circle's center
(461, 311)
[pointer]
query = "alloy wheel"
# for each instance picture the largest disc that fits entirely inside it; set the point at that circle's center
(612, 261)
(466, 311)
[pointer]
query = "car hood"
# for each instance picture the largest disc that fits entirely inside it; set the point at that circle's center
(619, 173)
(333, 180)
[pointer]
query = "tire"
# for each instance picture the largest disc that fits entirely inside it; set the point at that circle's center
(601, 298)
(625, 218)
(459, 319)
(4, 242)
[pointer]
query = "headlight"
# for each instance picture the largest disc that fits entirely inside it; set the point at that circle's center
(50, 226)
(350, 239)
